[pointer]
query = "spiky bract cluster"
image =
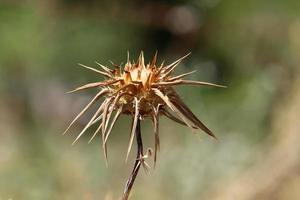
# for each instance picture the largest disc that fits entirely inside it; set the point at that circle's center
(141, 91)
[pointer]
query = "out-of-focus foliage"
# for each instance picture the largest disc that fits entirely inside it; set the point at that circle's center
(250, 46)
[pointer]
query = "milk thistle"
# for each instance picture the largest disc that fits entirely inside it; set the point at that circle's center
(141, 91)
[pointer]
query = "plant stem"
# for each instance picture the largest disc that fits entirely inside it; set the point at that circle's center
(137, 163)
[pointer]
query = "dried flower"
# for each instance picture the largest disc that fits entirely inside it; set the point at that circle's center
(140, 91)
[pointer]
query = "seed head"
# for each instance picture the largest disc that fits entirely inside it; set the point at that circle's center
(141, 91)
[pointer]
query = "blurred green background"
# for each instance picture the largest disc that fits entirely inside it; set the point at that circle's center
(253, 47)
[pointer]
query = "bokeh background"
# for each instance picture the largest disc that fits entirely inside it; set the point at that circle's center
(253, 47)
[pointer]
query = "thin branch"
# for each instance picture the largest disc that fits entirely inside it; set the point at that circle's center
(169, 115)
(90, 122)
(104, 68)
(95, 133)
(187, 82)
(155, 119)
(137, 163)
(176, 62)
(101, 93)
(95, 70)
(134, 126)
(112, 124)
(103, 128)
(181, 75)
(92, 85)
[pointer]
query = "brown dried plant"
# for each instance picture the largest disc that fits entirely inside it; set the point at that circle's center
(141, 91)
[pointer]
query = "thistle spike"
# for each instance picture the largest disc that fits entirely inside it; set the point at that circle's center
(153, 62)
(141, 91)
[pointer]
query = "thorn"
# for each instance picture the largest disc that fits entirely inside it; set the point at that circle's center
(128, 60)
(153, 62)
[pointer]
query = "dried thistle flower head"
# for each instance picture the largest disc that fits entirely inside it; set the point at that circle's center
(140, 90)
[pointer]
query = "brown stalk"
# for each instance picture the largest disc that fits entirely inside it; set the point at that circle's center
(137, 163)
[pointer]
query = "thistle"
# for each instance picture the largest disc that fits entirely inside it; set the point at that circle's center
(141, 91)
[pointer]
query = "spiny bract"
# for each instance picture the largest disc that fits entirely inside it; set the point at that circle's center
(141, 91)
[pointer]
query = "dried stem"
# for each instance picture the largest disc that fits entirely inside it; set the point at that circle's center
(137, 163)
